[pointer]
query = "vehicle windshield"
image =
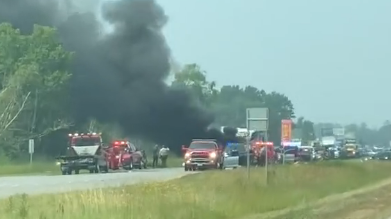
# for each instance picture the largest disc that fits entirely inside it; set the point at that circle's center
(85, 141)
(305, 149)
(290, 149)
(237, 147)
(203, 145)
(118, 150)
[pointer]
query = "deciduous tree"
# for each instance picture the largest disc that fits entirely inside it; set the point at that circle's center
(34, 83)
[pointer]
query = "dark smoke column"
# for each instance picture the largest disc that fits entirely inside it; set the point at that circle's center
(118, 77)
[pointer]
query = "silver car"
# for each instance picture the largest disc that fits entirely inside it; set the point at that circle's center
(231, 156)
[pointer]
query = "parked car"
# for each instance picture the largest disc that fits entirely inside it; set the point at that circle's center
(383, 155)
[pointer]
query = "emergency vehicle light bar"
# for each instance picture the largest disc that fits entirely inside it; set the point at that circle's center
(263, 143)
(82, 134)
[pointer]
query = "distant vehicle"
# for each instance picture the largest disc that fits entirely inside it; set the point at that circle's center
(328, 141)
(203, 154)
(371, 153)
(349, 148)
(384, 155)
(290, 153)
(306, 153)
(84, 152)
(232, 154)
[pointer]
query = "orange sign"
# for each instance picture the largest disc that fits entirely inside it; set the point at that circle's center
(286, 130)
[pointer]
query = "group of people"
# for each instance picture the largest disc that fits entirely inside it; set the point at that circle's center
(160, 152)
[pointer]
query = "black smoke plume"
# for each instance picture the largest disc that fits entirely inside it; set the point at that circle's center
(118, 76)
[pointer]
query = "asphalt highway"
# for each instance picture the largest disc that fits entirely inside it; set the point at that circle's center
(53, 184)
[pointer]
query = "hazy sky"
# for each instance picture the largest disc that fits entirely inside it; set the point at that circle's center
(331, 58)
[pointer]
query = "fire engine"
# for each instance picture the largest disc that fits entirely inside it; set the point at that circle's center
(259, 150)
(123, 154)
(203, 154)
(84, 152)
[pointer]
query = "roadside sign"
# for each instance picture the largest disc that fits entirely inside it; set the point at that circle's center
(339, 131)
(31, 150)
(31, 146)
(257, 119)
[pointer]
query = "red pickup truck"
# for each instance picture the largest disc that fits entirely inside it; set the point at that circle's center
(203, 154)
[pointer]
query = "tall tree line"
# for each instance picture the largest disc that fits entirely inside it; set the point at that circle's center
(229, 103)
(367, 136)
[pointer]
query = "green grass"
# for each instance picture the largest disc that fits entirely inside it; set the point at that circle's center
(38, 167)
(213, 194)
(50, 167)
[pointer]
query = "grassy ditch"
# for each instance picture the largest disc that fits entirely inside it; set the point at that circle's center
(213, 194)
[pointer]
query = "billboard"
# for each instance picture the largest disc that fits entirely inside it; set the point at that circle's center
(339, 131)
(286, 130)
(326, 131)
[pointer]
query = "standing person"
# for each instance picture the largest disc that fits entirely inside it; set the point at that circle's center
(163, 154)
(155, 160)
(145, 159)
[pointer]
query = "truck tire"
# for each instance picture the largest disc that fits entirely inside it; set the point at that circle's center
(104, 169)
(96, 169)
(64, 172)
(220, 166)
(77, 171)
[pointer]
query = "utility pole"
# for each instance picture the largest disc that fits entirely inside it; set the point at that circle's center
(32, 130)
(248, 151)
